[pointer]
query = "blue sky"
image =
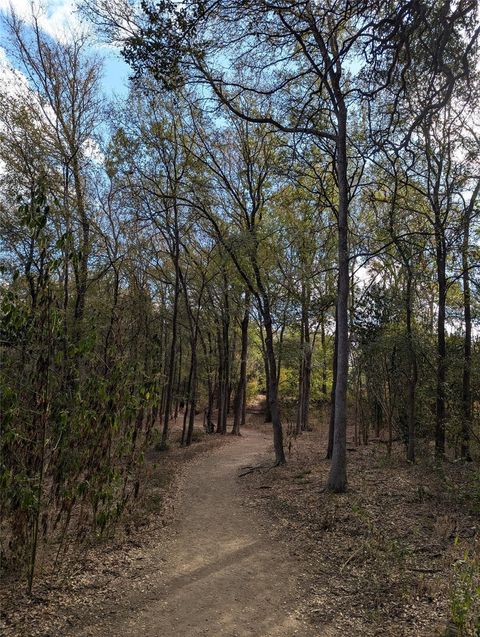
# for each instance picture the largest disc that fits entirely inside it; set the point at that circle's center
(57, 18)
(116, 73)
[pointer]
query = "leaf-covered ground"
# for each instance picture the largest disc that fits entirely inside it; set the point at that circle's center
(98, 570)
(399, 554)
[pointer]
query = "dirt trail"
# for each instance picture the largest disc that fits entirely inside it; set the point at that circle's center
(217, 572)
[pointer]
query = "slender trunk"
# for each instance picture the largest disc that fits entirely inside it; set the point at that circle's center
(365, 421)
(391, 372)
(242, 381)
(307, 375)
(43, 374)
(358, 389)
(211, 398)
(82, 270)
(193, 395)
(173, 346)
(211, 389)
(331, 426)
(208, 416)
(187, 402)
(268, 411)
(273, 387)
(413, 372)
(301, 371)
(226, 341)
(113, 316)
(244, 406)
(337, 479)
(178, 384)
(231, 359)
(223, 373)
(39, 494)
(67, 250)
(467, 351)
(441, 348)
(220, 382)
(280, 351)
(164, 367)
(324, 355)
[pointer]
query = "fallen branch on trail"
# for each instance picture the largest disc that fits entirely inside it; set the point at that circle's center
(257, 468)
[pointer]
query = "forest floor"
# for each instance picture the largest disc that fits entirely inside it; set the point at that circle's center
(212, 570)
(268, 553)
(398, 555)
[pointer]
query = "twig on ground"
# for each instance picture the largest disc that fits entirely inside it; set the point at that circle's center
(259, 468)
(252, 469)
(352, 556)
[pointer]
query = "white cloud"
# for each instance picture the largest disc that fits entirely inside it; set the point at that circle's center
(13, 81)
(22, 7)
(58, 18)
(93, 152)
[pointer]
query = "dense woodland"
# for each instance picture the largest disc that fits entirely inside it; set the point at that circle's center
(285, 204)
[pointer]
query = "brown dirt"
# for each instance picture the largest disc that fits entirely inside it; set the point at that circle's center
(271, 554)
(213, 571)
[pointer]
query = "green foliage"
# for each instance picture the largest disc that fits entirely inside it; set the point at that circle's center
(190, 213)
(74, 389)
(465, 596)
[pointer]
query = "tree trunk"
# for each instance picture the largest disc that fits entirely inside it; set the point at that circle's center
(223, 372)
(440, 415)
(193, 395)
(82, 271)
(173, 345)
(186, 401)
(226, 341)
(413, 372)
(273, 387)
(242, 381)
(178, 383)
(331, 426)
(324, 355)
(280, 351)
(337, 479)
(301, 371)
(221, 383)
(307, 377)
(211, 388)
(244, 406)
(268, 411)
(467, 351)
(226, 371)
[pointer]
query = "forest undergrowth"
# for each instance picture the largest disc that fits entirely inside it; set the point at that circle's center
(291, 211)
(65, 592)
(397, 555)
